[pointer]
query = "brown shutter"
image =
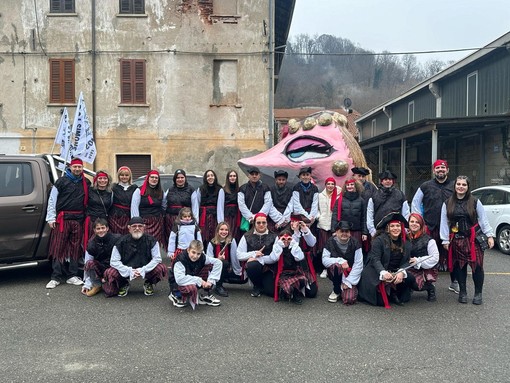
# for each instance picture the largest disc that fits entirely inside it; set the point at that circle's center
(68, 76)
(126, 93)
(139, 83)
(54, 81)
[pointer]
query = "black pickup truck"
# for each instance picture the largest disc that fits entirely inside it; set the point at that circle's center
(25, 183)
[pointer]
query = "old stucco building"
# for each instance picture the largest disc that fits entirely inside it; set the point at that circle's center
(167, 83)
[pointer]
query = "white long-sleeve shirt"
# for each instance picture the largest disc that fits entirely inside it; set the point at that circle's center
(357, 267)
(183, 279)
(234, 261)
(128, 271)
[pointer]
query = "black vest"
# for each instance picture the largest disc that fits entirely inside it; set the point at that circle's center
(136, 253)
(150, 210)
(434, 194)
(419, 245)
(306, 197)
(231, 207)
(255, 242)
(192, 268)
(70, 197)
(385, 201)
(100, 202)
(177, 198)
(281, 197)
(353, 211)
(249, 195)
(333, 247)
(101, 248)
(461, 217)
(123, 198)
(289, 262)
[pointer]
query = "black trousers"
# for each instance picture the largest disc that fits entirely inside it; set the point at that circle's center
(61, 271)
(264, 280)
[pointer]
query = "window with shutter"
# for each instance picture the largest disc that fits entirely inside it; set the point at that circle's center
(62, 6)
(132, 6)
(133, 82)
(62, 81)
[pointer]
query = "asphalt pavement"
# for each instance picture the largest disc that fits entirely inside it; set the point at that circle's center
(61, 335)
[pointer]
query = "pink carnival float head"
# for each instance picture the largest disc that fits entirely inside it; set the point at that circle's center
(320, 141)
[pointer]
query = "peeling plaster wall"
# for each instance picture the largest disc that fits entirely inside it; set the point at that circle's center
(179, 126)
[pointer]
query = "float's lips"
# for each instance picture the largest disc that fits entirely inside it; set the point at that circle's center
(306, 147)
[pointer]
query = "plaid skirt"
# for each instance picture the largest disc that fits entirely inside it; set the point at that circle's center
(95, 268)
(323, 237)
(66, 241)
(424, 275)
(292, 280)
(169, 220)
(349, 296)
(461, 253)
(113, 280)
(118, 224)
(154, 225)
(190, 292)
(207, 231)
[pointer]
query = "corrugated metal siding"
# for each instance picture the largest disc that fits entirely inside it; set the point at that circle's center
(493, 88)
(424, 107)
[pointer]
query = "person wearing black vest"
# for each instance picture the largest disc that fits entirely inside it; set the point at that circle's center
(281, 195)
(427, 201)
(210, 205)
(193, 270)
(97, 257)
(290, 279)
(122, 194)
(343, 259)
(384, 276)
(255, 248)
(232, 214)
(385, 200)
(462, 215)
(135, 255)
(65, 214)
(99, 203)
(148, 203)
(178, 196)
(254, 196)
(305, 197)
(424, 257)
(360, 174)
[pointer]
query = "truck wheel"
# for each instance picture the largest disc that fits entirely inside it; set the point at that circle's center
(503, 239)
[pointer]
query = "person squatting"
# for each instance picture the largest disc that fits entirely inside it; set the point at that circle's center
(276, 238)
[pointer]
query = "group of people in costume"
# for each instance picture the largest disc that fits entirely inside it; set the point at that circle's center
(365, 239)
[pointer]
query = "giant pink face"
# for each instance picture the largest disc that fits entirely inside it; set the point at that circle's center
(319, 147)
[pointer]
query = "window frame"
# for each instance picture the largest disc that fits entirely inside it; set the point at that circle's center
(59, 6)
(130, 85)
(131, 10)
(59, 79)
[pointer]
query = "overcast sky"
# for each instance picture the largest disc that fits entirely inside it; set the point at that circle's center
(406, 25)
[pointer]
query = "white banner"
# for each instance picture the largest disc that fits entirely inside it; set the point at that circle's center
(63, 137)
(84, 146)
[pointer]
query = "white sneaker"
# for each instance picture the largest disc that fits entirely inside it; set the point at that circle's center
(324, 274)
(52, 284)
(209, 300)
(75, 281)
(333, 297)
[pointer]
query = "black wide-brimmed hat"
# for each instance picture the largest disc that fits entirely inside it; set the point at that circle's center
(387, 175)
(361, 171)
(343, 225)
(281, 173)
(305, 169)
(393, 216)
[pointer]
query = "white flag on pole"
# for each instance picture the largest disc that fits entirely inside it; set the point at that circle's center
(84, 146)
(63, 137)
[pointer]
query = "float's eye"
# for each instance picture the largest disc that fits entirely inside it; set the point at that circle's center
(305, 148)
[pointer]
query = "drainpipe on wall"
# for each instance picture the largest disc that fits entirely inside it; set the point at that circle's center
(270, 118)
(94, 74)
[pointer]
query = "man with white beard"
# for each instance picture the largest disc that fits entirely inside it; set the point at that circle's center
(135, 255)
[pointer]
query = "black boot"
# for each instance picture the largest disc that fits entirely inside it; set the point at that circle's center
(395, 299)
(462, 293)
(477, 299)
(431, 292)
(220, 290)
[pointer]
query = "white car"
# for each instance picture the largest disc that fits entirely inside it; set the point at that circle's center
(496, 202)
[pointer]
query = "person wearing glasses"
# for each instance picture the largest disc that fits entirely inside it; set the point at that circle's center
(462, 216)
(255, 248)
(343, 259)
(135, 255)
